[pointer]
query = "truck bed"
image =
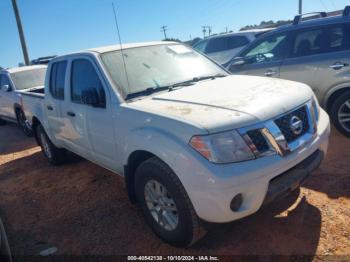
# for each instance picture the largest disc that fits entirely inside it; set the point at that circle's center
(38, 92)
(32, 101)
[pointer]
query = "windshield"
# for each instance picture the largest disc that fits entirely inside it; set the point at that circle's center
(29, 79)
(157, 66)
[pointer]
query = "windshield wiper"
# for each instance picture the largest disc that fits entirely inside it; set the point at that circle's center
(194, 80)
(152, 90)
(146, 92)
(201, 78)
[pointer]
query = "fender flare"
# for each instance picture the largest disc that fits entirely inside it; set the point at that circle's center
(338, 88)
(144, 140)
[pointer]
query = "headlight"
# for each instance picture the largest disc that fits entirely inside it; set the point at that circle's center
(222, 148)
(315, 108)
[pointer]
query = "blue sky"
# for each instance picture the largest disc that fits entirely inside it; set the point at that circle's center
(61, 26)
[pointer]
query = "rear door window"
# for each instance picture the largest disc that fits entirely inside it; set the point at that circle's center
(309, 42)
(225, 43)
(327, 39)
(338, 38)
(57, 79)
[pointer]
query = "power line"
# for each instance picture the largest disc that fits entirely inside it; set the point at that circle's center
(324, 6)
(332, 2)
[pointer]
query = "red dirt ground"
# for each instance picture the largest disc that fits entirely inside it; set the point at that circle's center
(81, 208)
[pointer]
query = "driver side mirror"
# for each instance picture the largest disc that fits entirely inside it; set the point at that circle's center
(90, 97)
(236, 62)
(6, 88)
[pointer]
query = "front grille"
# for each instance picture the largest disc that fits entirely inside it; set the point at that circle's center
(258, 140)
(284, 124)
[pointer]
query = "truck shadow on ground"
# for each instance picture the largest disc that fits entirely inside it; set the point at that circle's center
(13, 140)
(335, 184)
(295, 233)
(333, 177)
(81, 208)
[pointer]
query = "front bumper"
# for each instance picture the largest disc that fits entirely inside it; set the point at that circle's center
(211, 188)
(292, 179)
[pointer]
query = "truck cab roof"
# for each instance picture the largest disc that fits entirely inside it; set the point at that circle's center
(111, 48)
(22, 69)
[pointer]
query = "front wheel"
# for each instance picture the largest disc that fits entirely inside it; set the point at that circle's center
(52, 153)
(340, 113)
(21, 120)
(166, 205)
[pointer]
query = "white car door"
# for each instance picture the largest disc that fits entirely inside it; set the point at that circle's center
(90, 119)
(7, 97)
(54, 99)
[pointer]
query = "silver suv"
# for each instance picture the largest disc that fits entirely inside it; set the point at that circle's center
(312, 51)
(222, 48)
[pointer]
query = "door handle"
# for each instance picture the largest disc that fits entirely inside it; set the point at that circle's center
(270, 73)
(338, 65)
(50, 108)
(71, 114)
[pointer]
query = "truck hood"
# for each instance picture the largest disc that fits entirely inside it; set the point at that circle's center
(229, 102)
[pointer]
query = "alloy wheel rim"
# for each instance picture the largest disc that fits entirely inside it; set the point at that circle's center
(45, 145)
(161, 205)
(344, 115)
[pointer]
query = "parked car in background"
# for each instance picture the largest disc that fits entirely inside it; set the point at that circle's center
(192, 141)
(42, 60)
(222, 48)
(315, 52)
(12, 83)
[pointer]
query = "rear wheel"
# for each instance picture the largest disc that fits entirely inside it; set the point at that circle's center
(340, 113)
(21, 120)
(52, 153)
(166, 205)
(2, 122)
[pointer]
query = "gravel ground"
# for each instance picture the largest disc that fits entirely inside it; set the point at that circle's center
(81, 208)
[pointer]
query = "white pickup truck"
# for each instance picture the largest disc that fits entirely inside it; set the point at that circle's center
(193, 142)
(14, 82)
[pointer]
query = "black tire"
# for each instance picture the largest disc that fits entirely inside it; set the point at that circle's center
(21, 121)
(188, 229)
(53, 154)
(2, 122)
(338, 106)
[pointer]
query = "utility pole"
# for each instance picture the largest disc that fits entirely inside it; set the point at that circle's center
(209, 30)
(300, 7)
(205, 27)
(204, 31)
(164, 28)
(21, 33)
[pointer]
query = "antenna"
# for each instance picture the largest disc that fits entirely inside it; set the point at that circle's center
(121, 46)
